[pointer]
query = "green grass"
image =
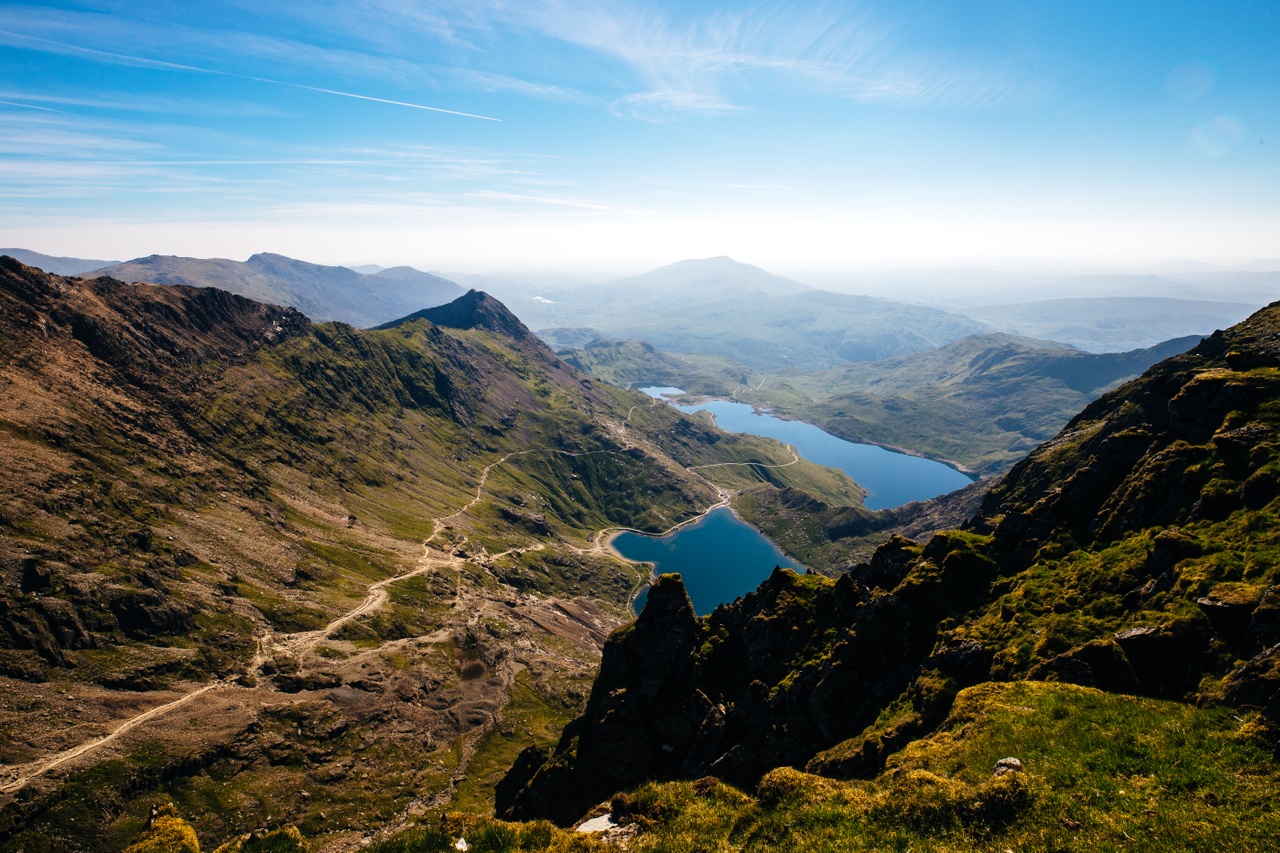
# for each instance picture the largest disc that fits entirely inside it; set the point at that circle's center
(1101, 772)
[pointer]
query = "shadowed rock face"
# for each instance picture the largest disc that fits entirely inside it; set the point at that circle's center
(1135, 516)
(640, 720)
(797, 666)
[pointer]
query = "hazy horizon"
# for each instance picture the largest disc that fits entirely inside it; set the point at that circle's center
(614, 137)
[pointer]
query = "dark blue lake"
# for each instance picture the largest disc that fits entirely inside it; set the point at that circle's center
(719, 557)
(891, 479)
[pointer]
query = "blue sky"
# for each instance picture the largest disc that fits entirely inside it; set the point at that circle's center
(487, 135)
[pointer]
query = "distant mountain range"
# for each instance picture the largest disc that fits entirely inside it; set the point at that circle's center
(54, 264)
(721, 307)
(362, 296)
(605, 304)
(1110, 324)
(321, 292)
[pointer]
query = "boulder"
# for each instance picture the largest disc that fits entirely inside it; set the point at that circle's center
(1166, 660)
(1256, 684)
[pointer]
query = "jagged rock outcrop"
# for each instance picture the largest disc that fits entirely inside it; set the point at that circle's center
(797, 666)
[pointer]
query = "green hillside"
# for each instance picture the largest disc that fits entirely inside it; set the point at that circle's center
(982, 402)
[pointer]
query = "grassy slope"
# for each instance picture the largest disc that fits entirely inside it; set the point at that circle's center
(1100, 772)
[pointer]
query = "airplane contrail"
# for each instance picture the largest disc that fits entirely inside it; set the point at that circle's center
(33, 107)
(174, 66)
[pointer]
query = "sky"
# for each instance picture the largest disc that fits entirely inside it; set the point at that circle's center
(487, 135)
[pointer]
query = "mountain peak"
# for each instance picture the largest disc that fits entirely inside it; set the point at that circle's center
(474, 309)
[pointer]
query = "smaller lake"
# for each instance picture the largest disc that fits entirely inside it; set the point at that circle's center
(661, 392)
(890, 478)
(719, 557)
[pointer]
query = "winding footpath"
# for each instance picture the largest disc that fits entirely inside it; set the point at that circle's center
(15, 777)
(26, 772)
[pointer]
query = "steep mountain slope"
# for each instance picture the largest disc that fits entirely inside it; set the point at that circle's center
(1134, 553)
(320, 292)
(276, 568)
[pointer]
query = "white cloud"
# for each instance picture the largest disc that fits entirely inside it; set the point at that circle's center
(713, 62)
(663, 106)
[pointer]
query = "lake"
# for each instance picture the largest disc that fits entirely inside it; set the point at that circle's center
(890, 478)
(720, 557)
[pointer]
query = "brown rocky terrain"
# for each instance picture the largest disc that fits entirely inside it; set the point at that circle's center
(279, 572)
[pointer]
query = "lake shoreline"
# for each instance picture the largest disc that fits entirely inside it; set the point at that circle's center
(890, 477)
(607, 535)
(695, 580)
(784, 415)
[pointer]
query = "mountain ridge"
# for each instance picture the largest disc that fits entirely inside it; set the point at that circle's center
(56, 264)
(320, 291)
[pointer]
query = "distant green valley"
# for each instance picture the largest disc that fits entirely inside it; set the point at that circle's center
(984, 401)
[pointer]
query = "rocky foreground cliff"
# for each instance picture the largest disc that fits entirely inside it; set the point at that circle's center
(1136, 554)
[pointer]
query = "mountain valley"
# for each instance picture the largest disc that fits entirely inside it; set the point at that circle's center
(354, 587)
(981, 402)
(278, 571)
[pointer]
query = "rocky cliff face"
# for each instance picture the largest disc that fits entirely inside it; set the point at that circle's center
(1136, 552)
(800, 664)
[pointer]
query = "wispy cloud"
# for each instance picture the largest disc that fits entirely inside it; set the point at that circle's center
(26, 106)
(711, 62)
(122, 102)
(488, 81)
(664, 106)
(53, 45)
